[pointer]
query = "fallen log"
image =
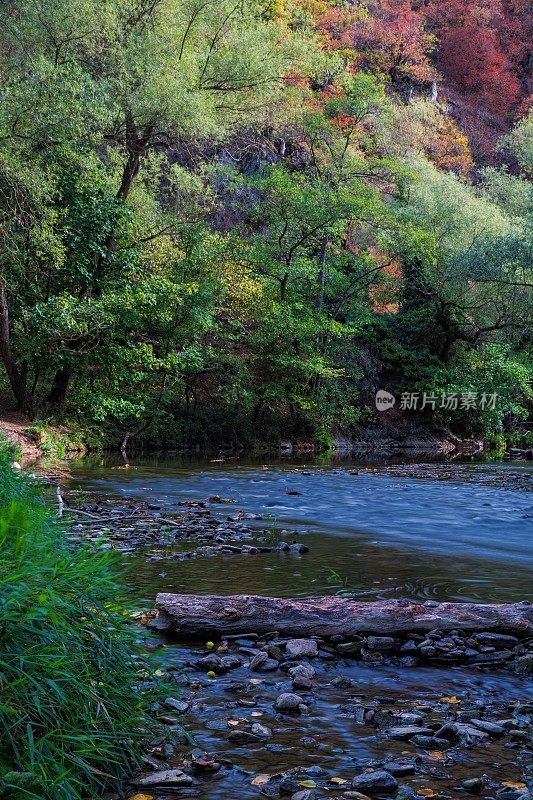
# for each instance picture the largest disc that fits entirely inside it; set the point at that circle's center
(198, 615)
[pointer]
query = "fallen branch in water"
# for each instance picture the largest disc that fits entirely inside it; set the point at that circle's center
(197, 615)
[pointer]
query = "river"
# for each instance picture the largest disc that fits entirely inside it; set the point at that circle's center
(441, 532)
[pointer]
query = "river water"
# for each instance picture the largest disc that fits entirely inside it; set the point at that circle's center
(374, 534)
(445, 532)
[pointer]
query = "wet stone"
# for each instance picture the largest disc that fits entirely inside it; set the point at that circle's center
(166, 777)
(375, 782)
(301, 648)
(406, 732)
(288, 703)
(380, 643)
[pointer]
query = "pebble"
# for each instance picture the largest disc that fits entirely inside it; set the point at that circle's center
(166, 777)
(380, 643)
(405, 732)
(177, 705)
(473, 785)
(288, 703)
(300, 648)
(375, 782)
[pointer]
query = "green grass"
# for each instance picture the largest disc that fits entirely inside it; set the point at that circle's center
(70, 715)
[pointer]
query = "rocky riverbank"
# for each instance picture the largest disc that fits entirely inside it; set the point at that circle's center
(280, 718)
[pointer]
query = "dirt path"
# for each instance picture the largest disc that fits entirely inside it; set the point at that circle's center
(15, 427)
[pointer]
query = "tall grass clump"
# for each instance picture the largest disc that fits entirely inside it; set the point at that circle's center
(70, 716)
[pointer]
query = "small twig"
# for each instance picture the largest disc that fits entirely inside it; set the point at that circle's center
(170, 522)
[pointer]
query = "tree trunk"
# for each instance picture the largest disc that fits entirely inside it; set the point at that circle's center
(60, 384)
(15, 376)
(322, 272)
(200, 615)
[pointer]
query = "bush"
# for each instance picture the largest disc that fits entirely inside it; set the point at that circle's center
(70, 716)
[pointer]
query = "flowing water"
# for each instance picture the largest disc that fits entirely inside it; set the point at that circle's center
(452, 534)
(377, 535)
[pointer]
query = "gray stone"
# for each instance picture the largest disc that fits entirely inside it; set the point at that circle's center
(488, 727)
(288, 703)
(498, 639)
(431, 742)
(300, 648)
(469, 734)
(177, 705)
(375, 782)
(349, 648)
(261, 730)
(405, 732)
(399, 768)
(522, 665)
(380, 643)
(472, 785)
(166, 777)
(302, 671)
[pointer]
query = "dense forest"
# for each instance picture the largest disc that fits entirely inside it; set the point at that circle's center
(236, 221)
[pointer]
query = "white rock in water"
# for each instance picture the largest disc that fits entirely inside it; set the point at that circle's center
(297, 648)
(166, 777)
(16, 466)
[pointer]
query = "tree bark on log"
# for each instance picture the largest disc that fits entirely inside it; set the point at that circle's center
(198, 615)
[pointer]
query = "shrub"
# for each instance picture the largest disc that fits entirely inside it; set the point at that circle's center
(70, 716)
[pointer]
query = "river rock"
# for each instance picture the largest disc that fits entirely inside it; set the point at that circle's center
(380, 643)
(302, 671)
(399, 769)
(349, 648)
(177, 705)
(472, 785)
(288, 703)
(166, 777)
(301, 648)
(489, 727)
(261, 730)
(497, 639)
(375, 782)
(522, 665)
(469, 734)
(405, 732)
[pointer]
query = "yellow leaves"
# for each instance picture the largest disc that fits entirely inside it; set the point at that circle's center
(453, 700)
(426, 792)
(514, 784)
(210, 645)
(141, 797)
(211, 674)
(338, 781)
(307, 784)
(259, 780)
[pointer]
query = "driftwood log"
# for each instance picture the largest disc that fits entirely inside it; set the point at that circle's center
(198, 615)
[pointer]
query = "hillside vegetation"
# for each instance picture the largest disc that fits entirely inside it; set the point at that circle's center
(236, 221)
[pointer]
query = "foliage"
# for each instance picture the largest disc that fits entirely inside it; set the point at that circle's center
(70, 715)
(215, 217)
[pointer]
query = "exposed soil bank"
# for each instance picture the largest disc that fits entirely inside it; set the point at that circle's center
(14, 426)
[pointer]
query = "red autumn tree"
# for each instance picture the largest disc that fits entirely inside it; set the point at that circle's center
(480, 44)
(394, 40)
